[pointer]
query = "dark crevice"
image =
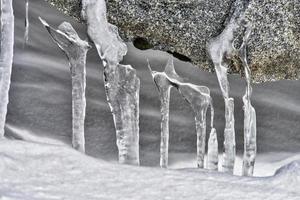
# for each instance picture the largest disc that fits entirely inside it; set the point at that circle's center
(142, 43)
(180, 56)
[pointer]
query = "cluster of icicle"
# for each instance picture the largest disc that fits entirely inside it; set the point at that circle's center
(200, 100)
(122, 86)
(121, 82)
(222, 48)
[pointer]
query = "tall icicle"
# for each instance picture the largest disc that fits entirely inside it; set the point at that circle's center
(249, 113)
(212, 151)
(121, 82)
(164, 87)
(76, 50)
(6, 58)
(197, 96)
(218, 48)
(26, 33)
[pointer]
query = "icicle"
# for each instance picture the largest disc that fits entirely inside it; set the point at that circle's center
(164, 87)
(121, 82)
(249, 113)
(26, 33)
(76, 50)
(212, 152)
(218, 48)
(197, 96)
(6, 58)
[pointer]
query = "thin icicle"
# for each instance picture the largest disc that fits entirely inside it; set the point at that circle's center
(6, 58)
(218, 48)
(122, 84)
(26, 33)
(76, 50)
(164, 87)
(212, 151)
(197, 96)
(249, 113)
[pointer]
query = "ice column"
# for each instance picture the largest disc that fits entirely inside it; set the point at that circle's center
(197, 96)
(212, 151)
(6, 58)
(164, 87)
(76, 50)
(249, 113)
(26, 33)
(121, 82)
(219, 48)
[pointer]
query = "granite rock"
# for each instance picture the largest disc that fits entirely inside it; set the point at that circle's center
(184, 27)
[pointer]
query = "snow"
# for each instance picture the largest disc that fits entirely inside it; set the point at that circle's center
(40, 113)
(40, 171)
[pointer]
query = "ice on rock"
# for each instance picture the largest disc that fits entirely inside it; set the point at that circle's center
(121, 82)
(219, 48)
(26, 33)
(76, 50)
(109, 45)
(6, 57)
(197, 96)
(249, 113)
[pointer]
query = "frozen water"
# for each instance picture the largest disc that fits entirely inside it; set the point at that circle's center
(219, 48)
(121, 82)
(122, 89)
(249, 113)
(109, 45)
(212, 151)
(164, 86)
(6, 57)
(76, 50)
(197, 96)
(26, 33)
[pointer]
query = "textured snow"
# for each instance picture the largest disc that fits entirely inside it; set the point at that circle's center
(40, 171)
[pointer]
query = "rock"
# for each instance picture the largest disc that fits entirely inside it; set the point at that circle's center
(185, 27)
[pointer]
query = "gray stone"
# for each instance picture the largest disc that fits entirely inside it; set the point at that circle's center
(185, 27)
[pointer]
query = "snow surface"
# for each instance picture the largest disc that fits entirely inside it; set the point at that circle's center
(40, 112)
(41, 171)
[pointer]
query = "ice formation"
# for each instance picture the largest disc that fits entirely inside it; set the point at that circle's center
(26, 33)
(197, 96)
(219, 48)
(76, 50)
(121, 82)
(249, 113)
(6, 57)
(164, 86)
(212, 151)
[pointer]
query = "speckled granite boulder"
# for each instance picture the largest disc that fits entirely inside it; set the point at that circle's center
(185, 26)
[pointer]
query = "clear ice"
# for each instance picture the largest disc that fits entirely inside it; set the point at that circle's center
(249, 113)
(121, 82)
(212, 151)
(219, 48)
(26, 33)
(164, 86)
(76, 50)
(197, 96)
(6, 57)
